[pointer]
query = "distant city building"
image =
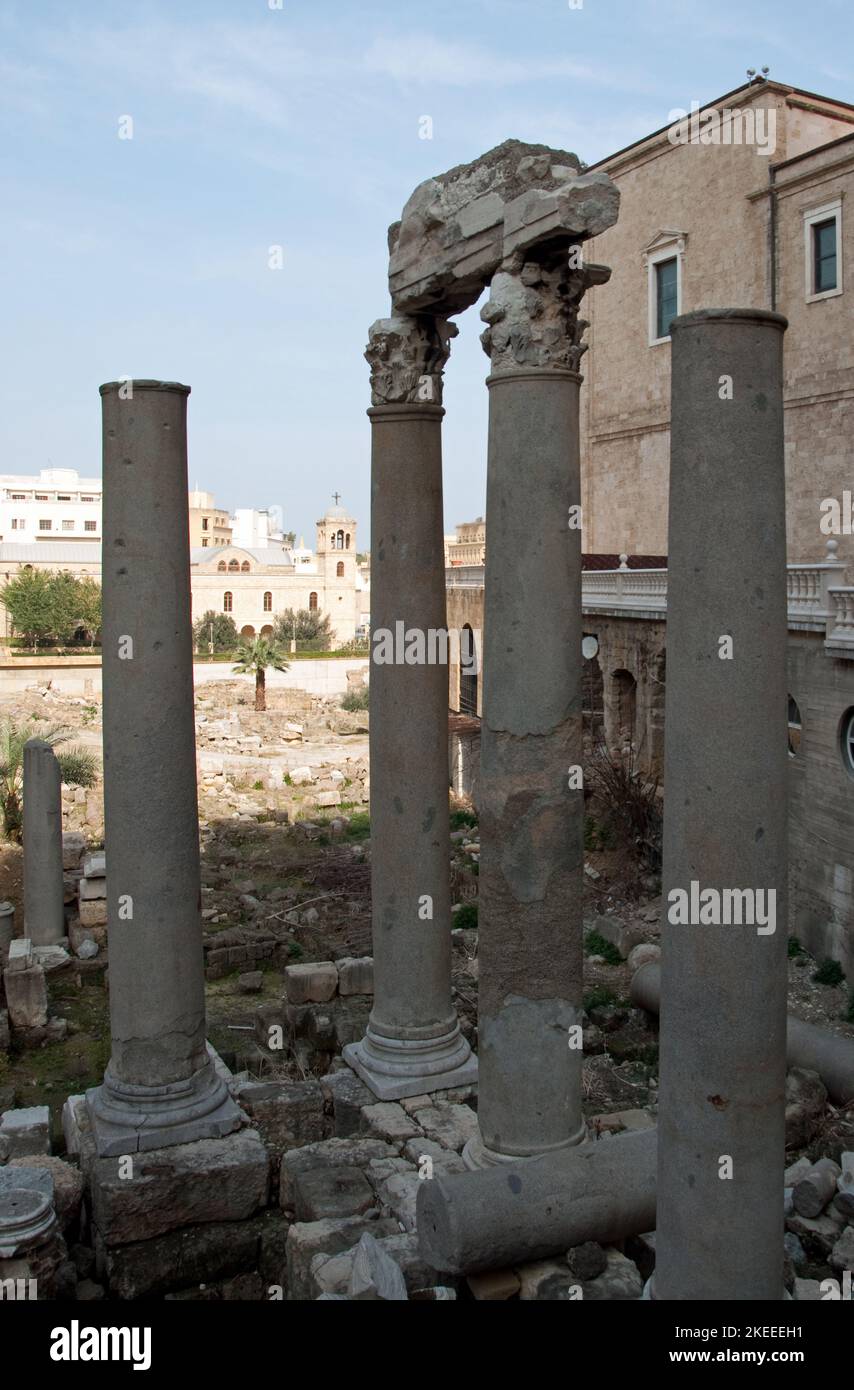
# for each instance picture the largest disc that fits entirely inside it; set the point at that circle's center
(252, 584)
(210, 525)
(256, 528)
(468, 545)
(56, 506)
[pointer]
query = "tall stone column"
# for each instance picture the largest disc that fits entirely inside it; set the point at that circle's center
(160, 1087)
(44, 893)
(723, 977)
(531, 801)
(413, 1042)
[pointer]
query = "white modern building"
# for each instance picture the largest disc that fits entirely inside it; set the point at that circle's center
(57, 506)
(257, 528)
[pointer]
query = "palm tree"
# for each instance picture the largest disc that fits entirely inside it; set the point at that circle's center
(78, 766)
(256, 654)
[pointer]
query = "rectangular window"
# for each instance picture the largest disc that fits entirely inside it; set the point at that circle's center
(68, 525)
(45, 525)
(204, 540)
(204, 523)
(63, 497)
(666, 294)
(823, 251)
(42, 497)
(18, 496)
(824, 256)
(87, 499)
(90, 525)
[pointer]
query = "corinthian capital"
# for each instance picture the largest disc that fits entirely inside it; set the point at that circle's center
(407, 356)
(532, 316)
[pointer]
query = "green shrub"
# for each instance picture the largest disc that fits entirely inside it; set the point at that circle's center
(466, 917)
(830, 972)
(462, 818)
(598, 997)
(357, 699)
(596, 945)
(795, 948)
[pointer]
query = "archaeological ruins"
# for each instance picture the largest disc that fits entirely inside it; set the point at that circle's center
(341, 1068)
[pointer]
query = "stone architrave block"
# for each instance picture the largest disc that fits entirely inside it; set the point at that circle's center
(311, 984)
(356, 975)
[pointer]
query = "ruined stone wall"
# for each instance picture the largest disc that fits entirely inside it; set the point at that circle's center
(821, 806)
(634, 647)
(465, 606)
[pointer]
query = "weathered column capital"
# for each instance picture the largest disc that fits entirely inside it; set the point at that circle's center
(407, 355)
(532, 315)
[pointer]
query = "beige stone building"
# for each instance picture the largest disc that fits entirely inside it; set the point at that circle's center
(727, 221)
(467, 546)
(210, 525)
(254, 585)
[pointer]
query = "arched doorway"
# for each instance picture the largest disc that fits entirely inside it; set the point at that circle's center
(623, 707)
(247, 631)
(468, 672)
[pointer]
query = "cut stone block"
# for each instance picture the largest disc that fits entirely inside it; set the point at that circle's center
(348, 1096)
(27, 1131)
(73, 845)
(816, 1189)
(322, 1194)
(180, 1259)
(356, 975)
(451, 1125)
(398, 1196)
(92, 889)
(20, 954)
(26, 997)
(208, 1180)
(93, 913)
(496, 1286)
(390, 1121)
(306, 1240)
(442, 1160)
(331, 1153)
(287, 1114)
(842, 1254)
(311, 984)
(375, 1275)
(333, 1275)
(95, 864)
(845, 1186)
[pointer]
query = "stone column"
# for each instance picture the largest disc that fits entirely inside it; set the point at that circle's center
(44, 894)
(531, 804)
(413, 1042)
(723, 986)
(160, 1087)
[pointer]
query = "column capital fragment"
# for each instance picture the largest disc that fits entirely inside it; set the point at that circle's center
(532, 315)
(407, 355)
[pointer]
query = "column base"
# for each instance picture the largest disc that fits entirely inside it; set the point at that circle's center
(477, 1155)
(394, 1068)
(133, 1119)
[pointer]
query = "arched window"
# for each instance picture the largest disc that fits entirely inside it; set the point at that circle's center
(312, 602)
(268, 602)
(348, 540)
(339, 569)
(233, 566)
(468, 672)
(226, 602)
(222, 567)
(245, 567)
(339, 540)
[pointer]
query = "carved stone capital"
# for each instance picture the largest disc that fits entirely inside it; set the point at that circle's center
(407, 355)
(532, 316)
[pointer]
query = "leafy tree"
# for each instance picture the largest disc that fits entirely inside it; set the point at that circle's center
(78, 766)
(29, 602)
(256, 654)
(290, 539)
(65, 599)
(89, 607)
(311, 626)
(225, 637)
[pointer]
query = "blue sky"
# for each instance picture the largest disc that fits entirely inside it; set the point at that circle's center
(255, 127)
